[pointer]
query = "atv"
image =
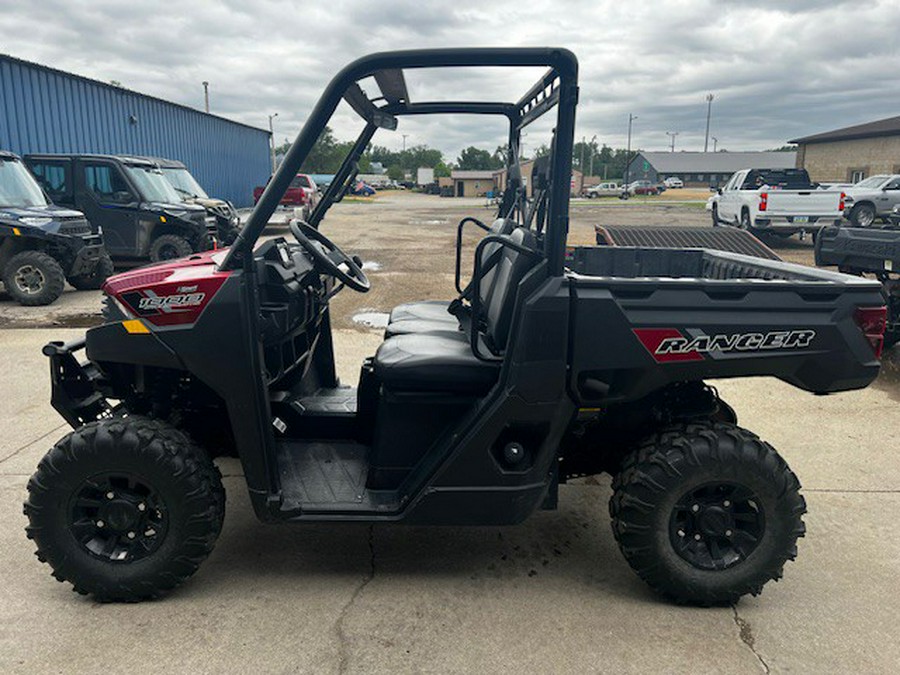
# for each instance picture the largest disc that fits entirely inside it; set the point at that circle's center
(548, 365)
(42, 246)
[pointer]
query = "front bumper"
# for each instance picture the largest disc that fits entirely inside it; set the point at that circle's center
(74, 385)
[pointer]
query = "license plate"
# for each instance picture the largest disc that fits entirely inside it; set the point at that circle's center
(801, 219)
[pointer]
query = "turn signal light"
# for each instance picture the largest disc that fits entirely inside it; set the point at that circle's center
(872, 321)
(763, 201)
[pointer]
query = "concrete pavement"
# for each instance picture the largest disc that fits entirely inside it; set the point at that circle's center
(551, 595)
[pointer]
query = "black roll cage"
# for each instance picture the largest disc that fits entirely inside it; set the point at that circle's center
(557, 87)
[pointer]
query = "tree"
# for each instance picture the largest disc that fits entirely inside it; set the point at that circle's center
(395, 172)
(476, 159)
(441, 170)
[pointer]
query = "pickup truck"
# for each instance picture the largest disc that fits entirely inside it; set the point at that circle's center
(871, 199)
(782, 201)
(302, 193)
(610, 189)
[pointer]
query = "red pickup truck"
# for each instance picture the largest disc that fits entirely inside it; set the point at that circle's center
(302, 192)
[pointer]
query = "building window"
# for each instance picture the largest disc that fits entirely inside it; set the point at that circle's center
(700, 177)
(856, 175)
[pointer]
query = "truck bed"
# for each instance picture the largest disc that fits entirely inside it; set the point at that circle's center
(643, 318)
(859, 250)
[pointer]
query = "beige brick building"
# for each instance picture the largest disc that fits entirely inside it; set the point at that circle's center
(852, 153)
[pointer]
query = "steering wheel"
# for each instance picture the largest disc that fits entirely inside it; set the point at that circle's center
(331, 258)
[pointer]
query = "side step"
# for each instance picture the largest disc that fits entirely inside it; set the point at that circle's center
(320, 477)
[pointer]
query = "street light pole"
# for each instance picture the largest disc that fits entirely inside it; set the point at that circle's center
(404, 141)
(672, 134)
(715, 142)
(206, 94)
(709, 100)
(591, 172)
(272, 136)
(631, 119)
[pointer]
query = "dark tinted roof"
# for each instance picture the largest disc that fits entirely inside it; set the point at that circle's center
(886, 127)
(126, 159)
(8, 155)
(166, 163)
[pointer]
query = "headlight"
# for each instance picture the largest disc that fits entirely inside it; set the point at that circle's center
(35, 221)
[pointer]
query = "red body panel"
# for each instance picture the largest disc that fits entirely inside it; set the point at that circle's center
(169, 294)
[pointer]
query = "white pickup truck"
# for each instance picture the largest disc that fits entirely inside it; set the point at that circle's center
(783, 201)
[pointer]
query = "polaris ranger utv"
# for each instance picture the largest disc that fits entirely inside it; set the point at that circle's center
(190, 191)
(472, 411)
(140, 213)
(41, 245)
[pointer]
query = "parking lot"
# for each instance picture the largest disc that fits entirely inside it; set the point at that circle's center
(550, 595)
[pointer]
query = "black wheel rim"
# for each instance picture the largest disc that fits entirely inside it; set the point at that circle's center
(716, 526)
(118, 517)
(168, 252)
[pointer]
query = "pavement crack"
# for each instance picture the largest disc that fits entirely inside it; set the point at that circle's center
(343, 646)
(745, 633)
(20, 449)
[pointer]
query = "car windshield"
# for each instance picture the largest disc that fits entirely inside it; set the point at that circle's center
(185, 184)
(152, 185)
(18, 187)
(300, 181)
(874, 182)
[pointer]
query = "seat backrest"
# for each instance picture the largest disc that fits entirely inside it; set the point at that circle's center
(501, 298)
(501, 226)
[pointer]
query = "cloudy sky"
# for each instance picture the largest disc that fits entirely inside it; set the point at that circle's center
(778, 70)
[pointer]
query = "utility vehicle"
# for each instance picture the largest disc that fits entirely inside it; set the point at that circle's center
(190, 191)
(866, 250)
(42, 245)
(140, 213)
(473, 410)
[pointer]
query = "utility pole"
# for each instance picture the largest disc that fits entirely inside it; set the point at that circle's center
(672, 134)
(631, 119)
(709, 100)
(272, 135)
(715, 142)
(593, 138)
(404, 141)
(581, 161)
(206, 94)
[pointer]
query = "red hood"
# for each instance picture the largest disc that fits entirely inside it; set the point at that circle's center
(169, 293)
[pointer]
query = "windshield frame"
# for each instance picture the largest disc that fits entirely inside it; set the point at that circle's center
(31, 195)
(185, 178)
(152, 189)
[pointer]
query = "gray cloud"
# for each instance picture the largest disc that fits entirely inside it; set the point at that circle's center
(778, 70)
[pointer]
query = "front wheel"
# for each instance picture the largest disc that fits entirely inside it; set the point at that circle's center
(33, 278)
(745, 221)
(125, 509)
(715, 215)
(706, 513)
(170, 247)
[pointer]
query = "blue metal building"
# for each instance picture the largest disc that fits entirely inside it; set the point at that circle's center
(48, 110)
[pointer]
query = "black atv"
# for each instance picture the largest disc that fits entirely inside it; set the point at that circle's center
(545, 367)
(41, 245)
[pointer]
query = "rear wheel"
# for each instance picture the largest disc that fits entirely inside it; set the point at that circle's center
(706, 513)
(94, 280)
(125, 508)
(715, 215)
(33, 278)
(862, 215)
(170, 247)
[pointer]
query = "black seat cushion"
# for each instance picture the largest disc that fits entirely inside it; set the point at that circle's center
(433, 362)
(407, 326)
(428, 310)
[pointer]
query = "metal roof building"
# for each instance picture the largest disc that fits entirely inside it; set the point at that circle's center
(47, 110)
(704, 168)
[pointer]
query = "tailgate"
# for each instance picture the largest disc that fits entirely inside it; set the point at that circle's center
(821, 203)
